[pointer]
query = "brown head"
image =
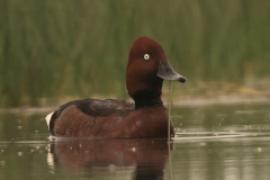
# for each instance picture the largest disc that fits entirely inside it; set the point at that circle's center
(147, 68)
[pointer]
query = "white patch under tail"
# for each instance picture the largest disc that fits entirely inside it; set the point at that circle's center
(48, 119)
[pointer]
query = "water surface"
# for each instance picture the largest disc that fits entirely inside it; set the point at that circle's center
(229, 142)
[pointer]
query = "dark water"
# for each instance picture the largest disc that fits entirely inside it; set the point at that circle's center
(212, 142)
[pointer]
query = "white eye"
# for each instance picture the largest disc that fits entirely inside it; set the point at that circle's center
(146, 57)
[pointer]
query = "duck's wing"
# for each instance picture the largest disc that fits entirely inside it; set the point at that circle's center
(106, 107)
(92, 107)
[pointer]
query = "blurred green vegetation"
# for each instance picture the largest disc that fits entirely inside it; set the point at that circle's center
(55, 49)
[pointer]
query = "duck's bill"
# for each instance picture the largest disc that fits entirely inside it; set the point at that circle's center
(166, 72)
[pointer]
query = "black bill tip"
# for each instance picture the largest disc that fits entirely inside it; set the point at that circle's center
(182, 79)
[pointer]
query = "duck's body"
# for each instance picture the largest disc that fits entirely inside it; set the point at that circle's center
(108, 119)
(147, 67)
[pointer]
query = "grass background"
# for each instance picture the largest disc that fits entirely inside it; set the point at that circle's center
(50, 50)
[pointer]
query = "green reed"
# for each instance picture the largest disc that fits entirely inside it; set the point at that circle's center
(50, 50)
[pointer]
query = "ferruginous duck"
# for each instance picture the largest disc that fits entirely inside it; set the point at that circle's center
(145, 118)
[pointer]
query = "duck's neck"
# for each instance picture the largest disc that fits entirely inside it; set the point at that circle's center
(143, 100)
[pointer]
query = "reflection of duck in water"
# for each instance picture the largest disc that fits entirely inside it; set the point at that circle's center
(146, 157)
(147, 68)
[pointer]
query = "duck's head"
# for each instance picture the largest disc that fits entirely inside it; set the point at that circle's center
(147, 68)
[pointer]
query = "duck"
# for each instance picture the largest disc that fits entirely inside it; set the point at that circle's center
(145, 117)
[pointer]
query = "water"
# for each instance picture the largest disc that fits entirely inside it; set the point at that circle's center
(230, 142)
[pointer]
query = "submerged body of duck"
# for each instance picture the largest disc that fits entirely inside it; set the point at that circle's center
(147, 68)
